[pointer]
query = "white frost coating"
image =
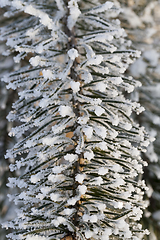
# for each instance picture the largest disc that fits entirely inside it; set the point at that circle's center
(88, 131)
(101, 206)
(35, 61)
(36, 237)
(118, 204)
(115, 120)
(74, 13)
(82, 189)
(35, 178)
(93, 218)
(99, 110)
(97, 181)
(87, 77)
(104, 7)
(45, 190)
(4, 3)
(71, 157)
(118, 182)
(102, 146)
(58, 221)
(55, 84)
(102, 171)
(44, 18)
(47, 74)
(75, 86)
(88, 234)
(56, 178)
(72, 201)
(49, 140)
(101, 86)
(89, 155)
(127, 126)
(101, 131)
(80, 177)
(83, 120)
(106, 234)
(96, 101)
(96, 60)
(54, 197)
(65, 111)
(72, 53)
(57, 169)
(68, 211)
(60, 4)
(117, 80)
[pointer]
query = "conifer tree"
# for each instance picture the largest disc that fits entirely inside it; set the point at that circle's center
(77, 141)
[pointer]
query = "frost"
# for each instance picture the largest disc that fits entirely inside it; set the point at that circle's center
(104, 7)
(118, 205)
(107, 232)
(72, 201)
(88, 131)
(82, 189)
(72, 53)
(35, 237)
(57, 169)
(35, 61)
(58, 221)
(101, 206)
(68, 211)
(56, 178)
(80, 145)
(102, 146)
(102, 171)
(127, 126)
(96, 60)
(99, 110)
(36, 178)
(74, 13)
(89, 155)
(49, 140)
(83, 120)
(75, 86)
(101, 131)
(47, 74)
(54, 197)
(97, 181)
(101, 86)
(65, 111)
(71, 157)
(88, 234)
(80, 177)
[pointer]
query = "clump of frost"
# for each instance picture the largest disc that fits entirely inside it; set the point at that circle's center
(71, 157)
(65, 111)
(74, 13)
(88, 131)
(99, 110)
(89, 155)
(80, 177)
(35, 237)
(82, 189)
(75, 86)
(47, 74)
(72, 53)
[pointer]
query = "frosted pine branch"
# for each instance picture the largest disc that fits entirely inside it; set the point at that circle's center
(81, 147)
